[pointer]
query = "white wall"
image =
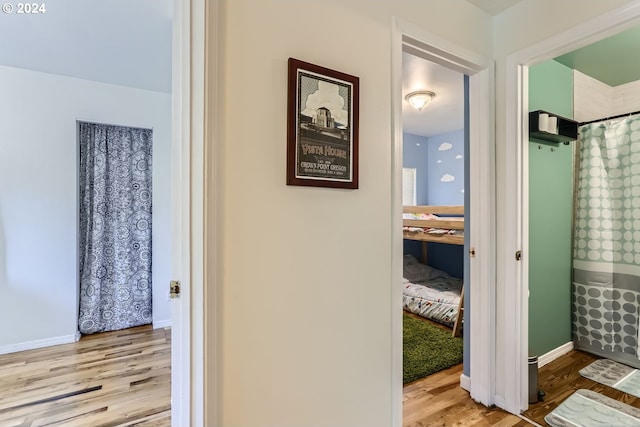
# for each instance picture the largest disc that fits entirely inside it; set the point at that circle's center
(306, 272)
(38, 197)
(523, 25)
(596, 100)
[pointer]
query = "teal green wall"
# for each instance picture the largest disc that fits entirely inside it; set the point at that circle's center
(550, 212)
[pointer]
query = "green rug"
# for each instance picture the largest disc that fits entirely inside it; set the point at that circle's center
(427, 349)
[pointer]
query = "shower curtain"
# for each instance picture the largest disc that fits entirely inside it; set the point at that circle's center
(606, 253)
(115, 227)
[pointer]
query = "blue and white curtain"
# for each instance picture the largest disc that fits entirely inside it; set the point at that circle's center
(115, 227)
(606, 265)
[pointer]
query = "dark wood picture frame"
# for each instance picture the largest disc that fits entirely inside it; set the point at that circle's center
(322, 126)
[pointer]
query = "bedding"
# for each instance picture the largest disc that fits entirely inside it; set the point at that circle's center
(429, 292)
(425, 223)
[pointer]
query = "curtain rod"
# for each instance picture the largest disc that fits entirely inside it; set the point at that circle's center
(94, 122)
(610, 118)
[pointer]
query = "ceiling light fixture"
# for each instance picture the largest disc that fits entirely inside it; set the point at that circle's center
(420, 99)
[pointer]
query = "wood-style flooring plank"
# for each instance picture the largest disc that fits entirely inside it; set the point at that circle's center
(560, 378)
(120, 378)
(438, 400)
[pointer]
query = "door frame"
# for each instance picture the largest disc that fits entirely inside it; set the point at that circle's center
(195, 349)
(481, 302)
(513, 375)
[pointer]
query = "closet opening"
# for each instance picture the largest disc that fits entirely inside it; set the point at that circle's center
(434, 179)
(115, 227)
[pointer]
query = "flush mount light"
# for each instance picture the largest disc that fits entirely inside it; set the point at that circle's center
(420, 99)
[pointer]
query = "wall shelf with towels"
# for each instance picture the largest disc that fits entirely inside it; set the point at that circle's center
(551, 127)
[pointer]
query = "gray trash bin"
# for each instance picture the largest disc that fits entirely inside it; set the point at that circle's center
(533, 379)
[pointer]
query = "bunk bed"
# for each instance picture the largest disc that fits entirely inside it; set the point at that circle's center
(429, 292)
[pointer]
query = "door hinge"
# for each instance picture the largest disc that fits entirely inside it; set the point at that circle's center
(174, 289)
(472, 252)
(518, 255)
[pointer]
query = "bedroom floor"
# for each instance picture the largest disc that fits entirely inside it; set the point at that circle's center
(114, 378)
(438, 400)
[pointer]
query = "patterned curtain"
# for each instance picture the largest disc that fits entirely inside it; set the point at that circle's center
(606, 274)
(115, 227)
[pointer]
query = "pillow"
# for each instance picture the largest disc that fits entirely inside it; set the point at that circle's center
(409, 259)
(414, 271)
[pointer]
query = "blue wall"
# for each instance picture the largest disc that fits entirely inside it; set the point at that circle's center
(439, 163)
(415, 154)
(446, 169)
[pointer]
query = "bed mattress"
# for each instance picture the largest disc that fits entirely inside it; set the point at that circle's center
(429, 292)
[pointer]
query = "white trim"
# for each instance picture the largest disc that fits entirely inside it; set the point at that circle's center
(199, 97)
(31, 345)
(514, 372)
(515, 333)
(482, 336)
(500, 403)
(188, 169)
(424, 44)
(465, 382)
(396, 224)
(180, 338)
(166, 323)
(554, 354)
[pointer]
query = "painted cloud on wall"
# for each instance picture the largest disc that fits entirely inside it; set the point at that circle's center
(447, 178)
(439, 161)
(445, 146)
(459, 156)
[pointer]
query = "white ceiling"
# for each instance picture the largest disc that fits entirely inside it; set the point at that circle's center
(123, 42)
(494, 7)
(445, 113)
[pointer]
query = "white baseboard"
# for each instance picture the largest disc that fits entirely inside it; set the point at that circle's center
(161, 324)
(465, 382)
(554, 354)
(500, 402)
(30, 345)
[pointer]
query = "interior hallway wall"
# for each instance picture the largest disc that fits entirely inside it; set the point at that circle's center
(38, 197)
(310, 292)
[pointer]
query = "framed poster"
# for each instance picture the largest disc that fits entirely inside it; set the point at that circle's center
(322, 127)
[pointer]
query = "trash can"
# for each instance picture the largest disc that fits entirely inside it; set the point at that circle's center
(533, 379)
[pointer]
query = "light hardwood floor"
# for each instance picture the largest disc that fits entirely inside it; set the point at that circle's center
(560, 378)
(438, 400)
(123, 378)
(119, 378)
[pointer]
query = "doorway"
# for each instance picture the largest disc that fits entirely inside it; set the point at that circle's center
(407, 38)
(43, 196)
(434, 165)
(517, 124)
(115, 235)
